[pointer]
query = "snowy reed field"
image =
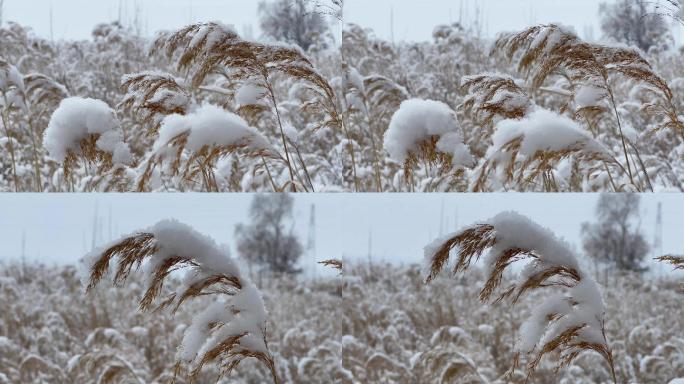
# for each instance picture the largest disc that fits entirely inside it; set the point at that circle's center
(502, 299)
(274, 97)
(204, 108)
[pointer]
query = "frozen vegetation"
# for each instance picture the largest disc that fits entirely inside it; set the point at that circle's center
(51, 332)
(399, 330)
(539, 109)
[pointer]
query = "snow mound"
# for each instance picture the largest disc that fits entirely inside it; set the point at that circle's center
(77, 118)
(418, 120)
(546, 131)
(210, 125)
(250, 93)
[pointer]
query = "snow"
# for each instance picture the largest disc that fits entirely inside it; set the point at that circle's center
(544, 130)
(677, 381)
(250, 93)
(514, 230)
(77, 118)
(588, 95)
(10, 76)
(174, 238)
(418, 120)
(210, 125)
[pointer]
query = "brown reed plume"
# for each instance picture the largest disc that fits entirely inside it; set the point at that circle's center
(545, 50)
(205, 49)
(494, 95)
(567, 324)
(216, 335)
(153, 95)
(188, 165)
(334, 263)
(676, 261)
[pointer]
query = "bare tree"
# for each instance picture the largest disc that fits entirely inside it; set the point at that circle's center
(635, 22)
(2, 5)
(616, 237)
(293, 21)
(265, 241)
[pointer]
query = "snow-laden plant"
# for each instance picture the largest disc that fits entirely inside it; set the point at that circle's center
(427, 131)
(229, 330)
(86, 130)
(546, 50)
(214, 49)
(529, 150)
(568, 322)
(532, 145)
(193, 143)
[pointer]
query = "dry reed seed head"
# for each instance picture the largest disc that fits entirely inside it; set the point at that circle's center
(334, 263)
(676, 261)
(493, 95)
(41, 89)
(154, 95)
(208, 48)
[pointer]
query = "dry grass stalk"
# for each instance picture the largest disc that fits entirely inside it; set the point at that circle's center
(379, 96)
(227, 349)
(561, 317)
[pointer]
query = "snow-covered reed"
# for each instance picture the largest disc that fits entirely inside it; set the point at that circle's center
(230, 329)
(570, 319)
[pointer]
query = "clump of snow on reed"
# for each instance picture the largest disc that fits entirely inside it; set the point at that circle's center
(210, 125)
(545, 131)
(419, 120)
(78, 118)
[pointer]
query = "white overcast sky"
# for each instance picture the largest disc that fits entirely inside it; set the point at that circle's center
(74, 19)
(58, 228)
(415, 20)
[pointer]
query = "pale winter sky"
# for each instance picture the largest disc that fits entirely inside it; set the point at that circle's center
(59, 228)
(74, 19)
(415, 20)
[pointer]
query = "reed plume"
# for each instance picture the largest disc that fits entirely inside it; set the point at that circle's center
(153, 95)
(334, 263)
